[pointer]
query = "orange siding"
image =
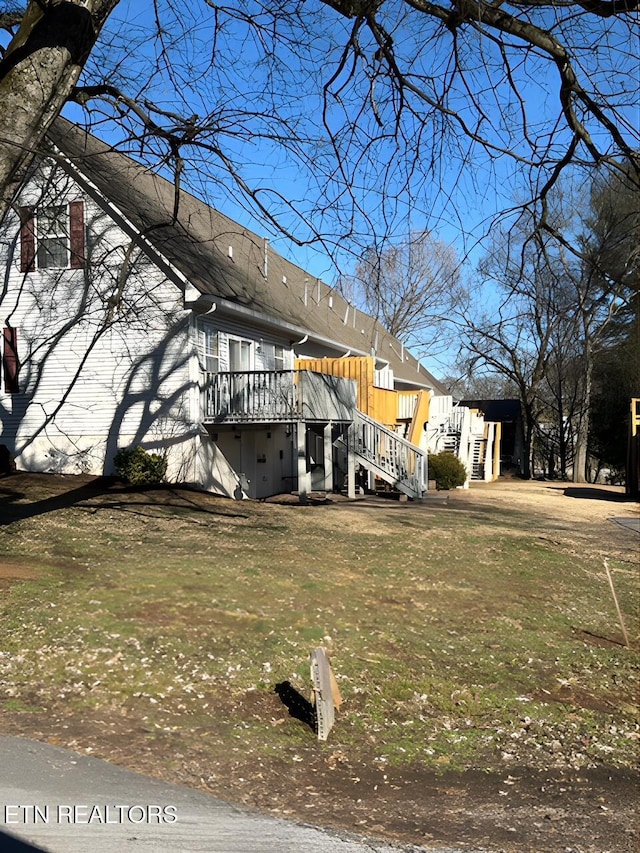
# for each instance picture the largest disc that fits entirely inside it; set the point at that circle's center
(383, 406)
(379, 403)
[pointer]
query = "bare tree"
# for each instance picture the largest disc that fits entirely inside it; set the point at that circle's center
(609, 249)
(616, 380)
(38, 71)
(408, 286)
(514, 339)
(478, 384)
(556, 304)
(467, 68)
(377, 104)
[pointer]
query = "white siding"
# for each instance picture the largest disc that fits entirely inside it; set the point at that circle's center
(104, 352)
(263, 344)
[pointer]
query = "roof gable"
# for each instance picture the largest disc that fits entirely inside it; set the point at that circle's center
(250, 275)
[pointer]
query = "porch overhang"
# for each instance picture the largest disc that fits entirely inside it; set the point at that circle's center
(201, 304)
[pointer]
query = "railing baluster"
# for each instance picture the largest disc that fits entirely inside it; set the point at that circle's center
(391, 453)
(251, 395)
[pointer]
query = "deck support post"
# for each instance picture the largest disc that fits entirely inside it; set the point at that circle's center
(491, 449)
(351, 463)
(304, 477)
(328, 458)
(419, 478)
(497, 446)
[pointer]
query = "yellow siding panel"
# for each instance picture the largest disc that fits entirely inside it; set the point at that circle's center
(379, 403)
(635, 415)
(383, 406)
(359, 368)
(420, 415)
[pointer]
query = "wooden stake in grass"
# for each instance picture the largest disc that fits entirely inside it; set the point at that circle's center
(615, 601)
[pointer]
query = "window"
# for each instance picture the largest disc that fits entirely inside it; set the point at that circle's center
(278, 358)
(240, 355)
(52, 237)
(211, 350)
(274, 356)
(10, 364)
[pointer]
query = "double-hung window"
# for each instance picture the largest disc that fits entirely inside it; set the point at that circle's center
(240, 355)
(51, 232)
(278, 358)
(210, 349)
(52, 237)
(273, 356)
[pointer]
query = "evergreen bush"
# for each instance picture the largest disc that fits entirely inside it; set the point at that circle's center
(447, 470)
(140, 468)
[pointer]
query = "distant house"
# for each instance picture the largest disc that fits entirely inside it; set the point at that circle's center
(137, 315)
(507, 413)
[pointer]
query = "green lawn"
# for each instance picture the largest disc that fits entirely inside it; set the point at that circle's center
(469, 634)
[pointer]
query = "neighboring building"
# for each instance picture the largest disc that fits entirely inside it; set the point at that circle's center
(508, 414)
(135, 315)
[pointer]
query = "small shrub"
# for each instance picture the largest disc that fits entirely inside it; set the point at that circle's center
(447, 470)
(140, 468)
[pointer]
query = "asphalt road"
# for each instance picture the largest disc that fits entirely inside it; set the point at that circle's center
(59, 801)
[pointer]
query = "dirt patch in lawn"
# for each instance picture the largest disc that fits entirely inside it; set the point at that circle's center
(15, 571)
(11, 572)
(180, 611)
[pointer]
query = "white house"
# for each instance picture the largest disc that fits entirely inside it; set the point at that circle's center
(136, 315)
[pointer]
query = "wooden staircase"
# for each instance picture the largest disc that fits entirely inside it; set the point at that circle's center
(388, 456)
(478, 457)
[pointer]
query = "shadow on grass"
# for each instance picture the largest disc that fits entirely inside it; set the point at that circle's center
(99, 493)
(298, 706)
(592, 493)
(11, 511)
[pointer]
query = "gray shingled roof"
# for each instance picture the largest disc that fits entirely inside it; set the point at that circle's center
(197, 245)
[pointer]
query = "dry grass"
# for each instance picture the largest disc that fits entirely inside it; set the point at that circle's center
(478, 633)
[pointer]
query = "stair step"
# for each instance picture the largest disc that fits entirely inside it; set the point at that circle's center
(388, 456)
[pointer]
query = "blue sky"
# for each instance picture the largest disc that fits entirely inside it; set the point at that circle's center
(264, 96)
(437, 204)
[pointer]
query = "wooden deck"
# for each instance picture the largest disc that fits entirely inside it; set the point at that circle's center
(277, 396)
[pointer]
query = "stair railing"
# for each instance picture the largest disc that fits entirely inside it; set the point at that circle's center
(404, 464)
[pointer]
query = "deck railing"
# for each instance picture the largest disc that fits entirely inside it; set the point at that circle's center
(261, 395)
(272, 396)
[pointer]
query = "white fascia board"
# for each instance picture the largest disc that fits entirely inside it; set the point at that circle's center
(266, 321)
(402, 384)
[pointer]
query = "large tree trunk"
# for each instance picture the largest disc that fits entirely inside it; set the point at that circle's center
(37, 74)
(528, 427)
(580, 452)
(561, 429)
